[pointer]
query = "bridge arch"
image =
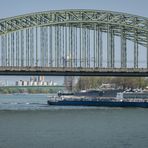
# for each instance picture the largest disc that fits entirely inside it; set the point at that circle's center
(74, 39)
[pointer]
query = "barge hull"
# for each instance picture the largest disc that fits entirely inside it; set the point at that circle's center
(99, 103)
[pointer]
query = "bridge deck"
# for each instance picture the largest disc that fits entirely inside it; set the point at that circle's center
(62, 71)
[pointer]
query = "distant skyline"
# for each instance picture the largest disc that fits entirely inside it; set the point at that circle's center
(9, 8)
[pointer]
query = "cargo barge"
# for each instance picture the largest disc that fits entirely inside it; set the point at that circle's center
(123, 99)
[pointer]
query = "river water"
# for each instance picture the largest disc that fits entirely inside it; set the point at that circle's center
(26, 121)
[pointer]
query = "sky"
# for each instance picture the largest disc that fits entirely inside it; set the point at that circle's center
(10, 8)
(17, 7)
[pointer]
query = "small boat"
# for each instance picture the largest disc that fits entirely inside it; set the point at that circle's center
(88, 98)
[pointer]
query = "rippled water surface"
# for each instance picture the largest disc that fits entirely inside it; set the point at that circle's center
(27, 121)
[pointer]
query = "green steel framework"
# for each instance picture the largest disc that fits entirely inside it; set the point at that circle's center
(70, 38)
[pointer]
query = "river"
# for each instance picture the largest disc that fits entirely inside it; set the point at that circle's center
(27, 121)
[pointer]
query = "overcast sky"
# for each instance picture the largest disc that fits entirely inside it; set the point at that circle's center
(18, 7)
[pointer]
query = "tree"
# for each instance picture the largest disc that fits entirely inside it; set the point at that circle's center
(122, 82)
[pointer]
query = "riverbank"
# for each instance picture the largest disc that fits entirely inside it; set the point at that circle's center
(30, 89)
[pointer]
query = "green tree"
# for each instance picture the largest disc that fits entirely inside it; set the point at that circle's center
(123, 82)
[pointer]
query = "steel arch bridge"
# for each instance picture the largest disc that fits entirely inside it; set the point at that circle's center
(74, 42)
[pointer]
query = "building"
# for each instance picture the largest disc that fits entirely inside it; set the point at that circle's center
(41, 78)
(69, 82)
(35, 81)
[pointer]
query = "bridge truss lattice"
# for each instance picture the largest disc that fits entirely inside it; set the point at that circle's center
(74, 39)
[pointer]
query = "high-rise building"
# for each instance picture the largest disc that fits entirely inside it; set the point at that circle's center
(32, 78)
(69, 82)
(41, 78)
